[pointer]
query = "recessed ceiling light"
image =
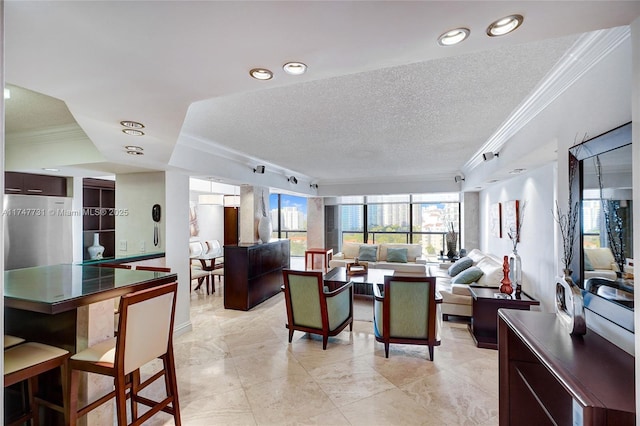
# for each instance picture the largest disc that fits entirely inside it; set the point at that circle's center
(48, 169)
(517, 171)
(504, 25)
(132, 124)
(294, 68)
(452, 37)
(133, 148)
(135, 152)
(261, 74)
(133, 132)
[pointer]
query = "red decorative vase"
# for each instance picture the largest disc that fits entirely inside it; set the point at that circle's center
(506, 287)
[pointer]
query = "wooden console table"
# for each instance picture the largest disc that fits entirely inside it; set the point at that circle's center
(253, 272)
(549, 377)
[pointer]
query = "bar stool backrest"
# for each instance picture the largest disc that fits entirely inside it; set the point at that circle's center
(146, 326)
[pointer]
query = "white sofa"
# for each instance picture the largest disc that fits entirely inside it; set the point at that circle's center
(416, 263)
(456, 299)
(600, 263)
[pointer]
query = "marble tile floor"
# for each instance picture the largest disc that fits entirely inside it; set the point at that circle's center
(237, 368)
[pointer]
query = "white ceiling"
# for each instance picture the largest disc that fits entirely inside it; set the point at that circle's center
(382, 107)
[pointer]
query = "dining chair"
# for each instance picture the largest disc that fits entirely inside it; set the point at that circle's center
(407, 311)
(313, 308)
(26, 362)
(144, 333)
(10, 341)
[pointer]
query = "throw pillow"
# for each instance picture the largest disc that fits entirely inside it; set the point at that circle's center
(459, 266)
(367, 253)
(397, 255)
(587, 263)
(468, 276)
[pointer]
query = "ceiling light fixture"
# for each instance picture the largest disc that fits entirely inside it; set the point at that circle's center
(49, 169)
(313, 186)
(261, 74)
(133, 132)
(517, 171)
(132, 124)
(458, 178)
(490, 155)
(452, 37)
(292, 179)
(259, 170)
(294, 68)
(135, 152)
(133, 148)
(504, 25)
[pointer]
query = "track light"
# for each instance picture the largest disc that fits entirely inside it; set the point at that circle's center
(259, 169)
(314, 186)
(458, 178)
(292, 179)
(489, 155)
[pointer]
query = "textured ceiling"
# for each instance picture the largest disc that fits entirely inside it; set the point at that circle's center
(422, 119)
(381, 100)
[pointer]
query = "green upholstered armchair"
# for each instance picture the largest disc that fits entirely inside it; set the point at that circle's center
(408, 312)
(313, 308)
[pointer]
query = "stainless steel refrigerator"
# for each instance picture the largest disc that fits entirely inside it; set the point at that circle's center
(37, 231)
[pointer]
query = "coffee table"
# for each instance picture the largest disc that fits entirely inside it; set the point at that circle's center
(362, 284)
(484, 322)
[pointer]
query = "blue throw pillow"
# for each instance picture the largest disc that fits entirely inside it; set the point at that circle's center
(468, 276)
(587, 263)
(397, 255)
(367, 253)
(460, 265)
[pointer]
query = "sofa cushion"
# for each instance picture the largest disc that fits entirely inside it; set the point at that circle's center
(493, 272)
(476, 255)
(368, 253)
(459, 266)
(414, 251)
(468, 276)
(587, 263)
(601, 258)
(350, 250)
(397, 255)
(408, 268)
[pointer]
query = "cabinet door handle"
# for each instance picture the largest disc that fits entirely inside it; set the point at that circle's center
(34, 190)
(13, 189)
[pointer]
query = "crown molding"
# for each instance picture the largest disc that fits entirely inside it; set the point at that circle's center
(585, 53)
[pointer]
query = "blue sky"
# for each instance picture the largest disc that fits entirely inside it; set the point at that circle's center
(288, 201)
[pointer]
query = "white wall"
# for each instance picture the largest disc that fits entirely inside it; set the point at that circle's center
(137, 193)
(536, 190)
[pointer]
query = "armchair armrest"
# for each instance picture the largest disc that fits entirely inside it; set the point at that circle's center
(421, 260)
(338, 256)
(377, 293)
(338, 290)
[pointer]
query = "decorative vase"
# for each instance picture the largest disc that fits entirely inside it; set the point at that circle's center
(451, 249)
(264, 229)
(506, 287)
(515, 266)
(96, 250)
(570, 304)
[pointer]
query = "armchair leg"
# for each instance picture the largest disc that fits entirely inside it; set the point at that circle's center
(431, 352)
(325, 339)
(351, 326)
(290, 335)
(386, 349)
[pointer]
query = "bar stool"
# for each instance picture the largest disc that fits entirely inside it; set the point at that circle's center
(27, 361)
(10, 341)
(144, 333)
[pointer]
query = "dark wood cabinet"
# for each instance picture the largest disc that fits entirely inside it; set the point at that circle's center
(548, 377)
(99, 202)
(231, 226)
(253, 272)
(33, 184)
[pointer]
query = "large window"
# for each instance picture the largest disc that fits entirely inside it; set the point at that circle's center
(420, 218)
(289, 218)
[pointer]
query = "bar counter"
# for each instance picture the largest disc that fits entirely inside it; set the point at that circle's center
(52, 304)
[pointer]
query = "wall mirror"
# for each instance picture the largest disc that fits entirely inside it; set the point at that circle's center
(604, 250)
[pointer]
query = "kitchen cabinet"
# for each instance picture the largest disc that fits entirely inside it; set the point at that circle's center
(33, 184)
(99, 202)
